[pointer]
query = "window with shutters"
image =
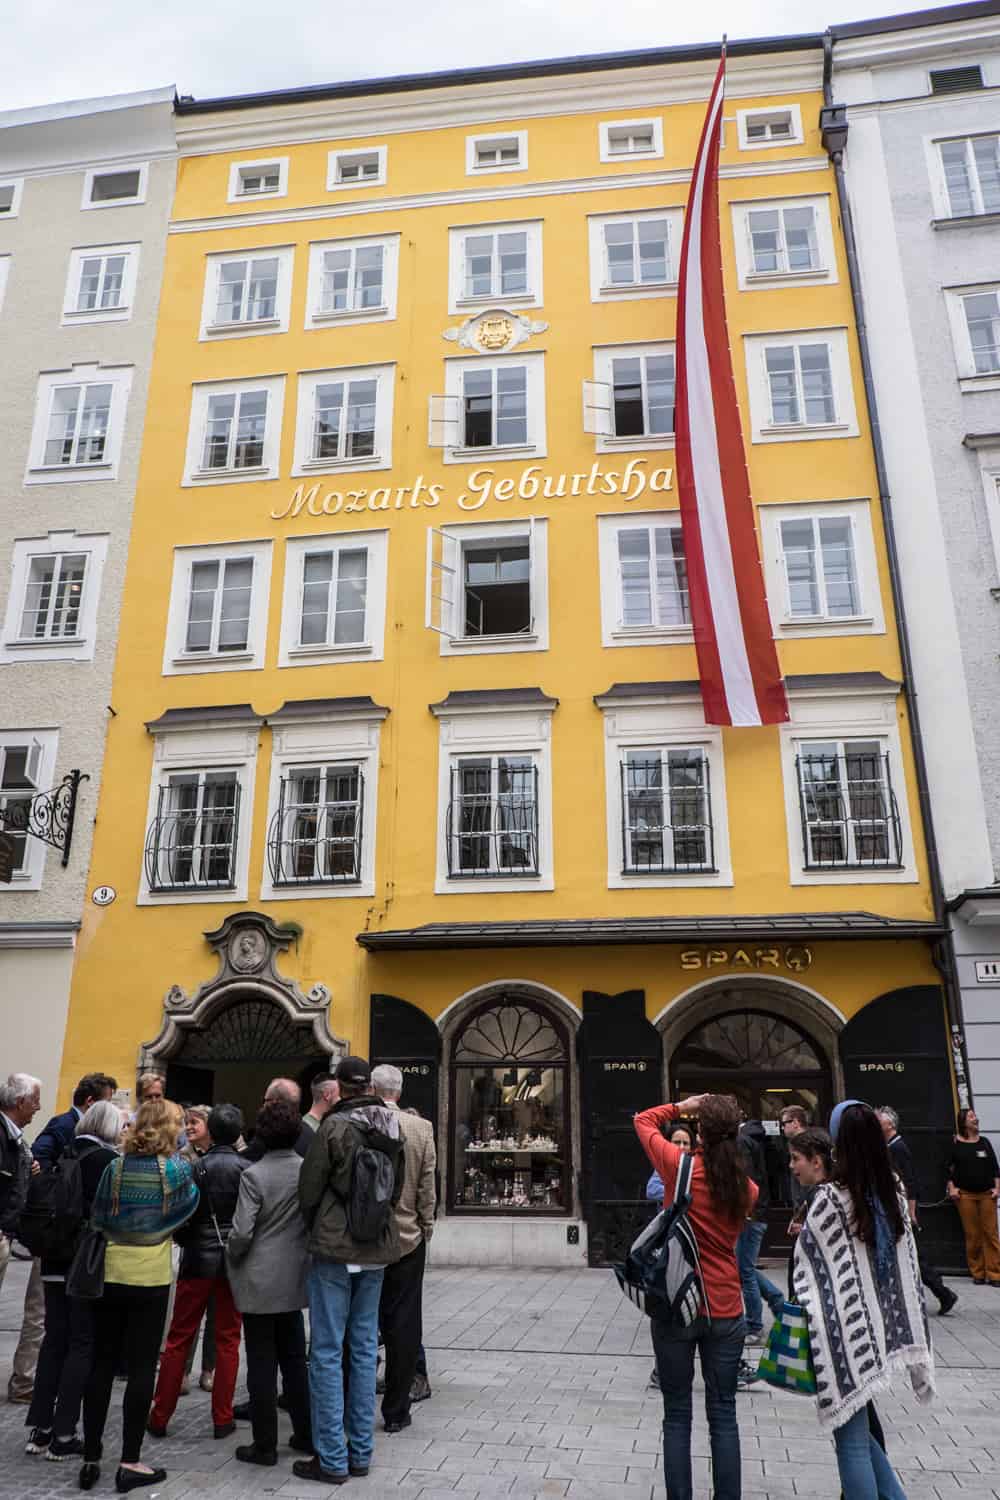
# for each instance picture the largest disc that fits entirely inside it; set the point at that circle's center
(258, 179)
(52, 604)
(27, 766)
(969, 180)
(496, 153)
(352, 281)
(79, 424)
(235, 431)
(344, 420)
(800, 385)
(820, 568)
(974, 312)
(487, 586)
(491, 408)
(357, 169)
(100, 285)
(218, 608)
(630, 402)
(757, 128)
(115, 187)
(631, 139)
(334, 599)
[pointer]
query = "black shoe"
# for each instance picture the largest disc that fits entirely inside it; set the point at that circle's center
(63, 1448)
(241, 1413)
(420, 1390)
(979, 1281)
(249, 1453)
(39, 1439)
(134, 1479)
(226, 1430)
(311, 1468)
(358, 1471)
(948, 1301)
(398, 1423)
(89, 1475)
(654, 1379)
(301, 1444)
(154, 1431)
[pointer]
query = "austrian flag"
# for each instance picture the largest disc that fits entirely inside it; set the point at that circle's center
(741, 682)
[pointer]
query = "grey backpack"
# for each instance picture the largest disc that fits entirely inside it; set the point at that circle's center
(662, 1271)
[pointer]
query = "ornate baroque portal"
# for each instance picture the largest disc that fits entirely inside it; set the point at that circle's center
(247, 1009)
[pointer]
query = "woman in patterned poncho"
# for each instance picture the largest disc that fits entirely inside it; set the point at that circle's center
(858, 1277)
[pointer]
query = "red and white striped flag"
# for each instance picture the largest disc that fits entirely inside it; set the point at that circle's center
(741, 681)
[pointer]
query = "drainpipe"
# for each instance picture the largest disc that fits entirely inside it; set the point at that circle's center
(834, 128)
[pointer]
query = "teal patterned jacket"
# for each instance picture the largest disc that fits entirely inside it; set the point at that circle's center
(142, 1200)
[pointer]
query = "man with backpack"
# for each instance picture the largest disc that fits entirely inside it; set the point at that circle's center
(349, 1186)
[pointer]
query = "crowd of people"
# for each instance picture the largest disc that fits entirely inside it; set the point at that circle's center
(331, 1211)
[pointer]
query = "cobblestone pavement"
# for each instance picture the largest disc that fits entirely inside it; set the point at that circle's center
(540, 1390)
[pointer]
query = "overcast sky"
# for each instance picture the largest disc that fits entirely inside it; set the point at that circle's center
(62, 49)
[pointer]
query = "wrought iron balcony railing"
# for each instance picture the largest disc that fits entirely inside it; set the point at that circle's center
(850, 817)
(492, 824)
(193, 848)
(666, 828)
(316, 842)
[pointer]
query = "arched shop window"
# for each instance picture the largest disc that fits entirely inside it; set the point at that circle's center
(750, 1041)
(510, 1136)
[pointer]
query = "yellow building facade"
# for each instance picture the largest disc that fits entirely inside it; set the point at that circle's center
(408, 756)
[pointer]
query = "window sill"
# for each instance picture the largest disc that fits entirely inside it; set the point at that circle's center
(217, 658)
(331, 465)
(247, 325)
(515, 166)
(191, 890)
(988, 381)
(362, 182)
(499, 299)
(655, 440)
(69, 468)
(515, 450)
(652, 635)
(824, 622)
(779, 429)
(260, 471)
(694, 872)
(92, 314)
(359, 648)
(965, 221)
(256, 197)
(637, 288)
(765, 278)
(46, 643)
(339, 313)
(518, 638)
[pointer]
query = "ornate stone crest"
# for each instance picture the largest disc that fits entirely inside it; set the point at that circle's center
(495, 330)
(247, 951)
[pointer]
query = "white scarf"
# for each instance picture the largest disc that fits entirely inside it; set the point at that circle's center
(863, 1330)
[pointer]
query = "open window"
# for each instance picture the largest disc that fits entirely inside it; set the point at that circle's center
(630, 402)
(494, 408)
(486, 587)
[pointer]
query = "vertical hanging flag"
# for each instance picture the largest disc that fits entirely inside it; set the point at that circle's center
(741, 681)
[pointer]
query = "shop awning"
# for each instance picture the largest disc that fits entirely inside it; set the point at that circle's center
(602, 931)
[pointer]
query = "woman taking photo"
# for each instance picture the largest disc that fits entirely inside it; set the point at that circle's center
(268, 1262)
(722, 1196)
(141, 1199)
(856, 1253)
(973, 1187)
(67, 1351)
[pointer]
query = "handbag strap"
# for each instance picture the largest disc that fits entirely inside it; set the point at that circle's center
(203, 1184)
(682, 1186)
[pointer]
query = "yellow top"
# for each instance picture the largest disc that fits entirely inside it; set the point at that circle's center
(138, 1265)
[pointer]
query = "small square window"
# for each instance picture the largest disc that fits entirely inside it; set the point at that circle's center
(10, 197)
(115, 187)
(496, 153)
(631, 138)
(769, 127)
(258, 179)
(353, 169)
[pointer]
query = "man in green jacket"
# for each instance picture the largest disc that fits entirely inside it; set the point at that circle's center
(350, 1182)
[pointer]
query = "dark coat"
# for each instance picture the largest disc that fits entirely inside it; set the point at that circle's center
(753, 1138)
(51, 1142)
(94, 1157)
(256, 1152)
(218, 1175)
(15, 1169)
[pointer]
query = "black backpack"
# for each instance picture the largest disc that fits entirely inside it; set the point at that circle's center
(373, 1182)
(662, 1272)
(52, 1219)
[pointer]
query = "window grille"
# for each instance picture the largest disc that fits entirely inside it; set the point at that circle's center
(666, 808)
(191, 842)
(956, 80)
(315, 836)
(492, 824)
(850, 817)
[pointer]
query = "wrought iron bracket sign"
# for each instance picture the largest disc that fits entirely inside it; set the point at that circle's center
(48, 816)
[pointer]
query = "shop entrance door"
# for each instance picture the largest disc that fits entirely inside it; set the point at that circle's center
(767, 1063)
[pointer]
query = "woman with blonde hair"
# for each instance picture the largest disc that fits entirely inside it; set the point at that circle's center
(143, 1197)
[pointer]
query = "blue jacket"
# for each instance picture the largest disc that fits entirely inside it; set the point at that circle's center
(654, 1188)
(50, 1143)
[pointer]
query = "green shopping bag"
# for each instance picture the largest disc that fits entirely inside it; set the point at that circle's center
(787, 1360)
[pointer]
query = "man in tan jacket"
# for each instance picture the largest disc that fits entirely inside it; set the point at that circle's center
(401, 1307)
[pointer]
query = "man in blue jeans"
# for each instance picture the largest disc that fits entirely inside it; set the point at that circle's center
(350, 1245)
(757, 1289)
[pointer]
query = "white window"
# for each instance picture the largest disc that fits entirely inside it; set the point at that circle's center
(495, 263)
(247, 294)
(820, 568)
(323, 799)
(496, 153)
(4, 275)
(974, 314)
(631, 138)
(769, 127)
(197, 845)
(487, 586)
(634, 255)
(52, 606)
(490, 409)
(354, 169)
(235, 431)
(665, 791)
(800, 385)
(218, 608)
(495, 793)
(787, 242)
(78, 426)
(970, 176)
(100, 286)
(11, 189)
(27, 766)
(630, 402)
(258, 179)
(352, 281)
(644, 584)
(334, 599)
(845, 786)
(344, 420)
(115, 187)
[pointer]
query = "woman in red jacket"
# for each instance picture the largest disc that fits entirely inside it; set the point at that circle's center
(722, 1196)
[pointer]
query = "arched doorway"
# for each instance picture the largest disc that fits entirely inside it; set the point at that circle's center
(235, 1057)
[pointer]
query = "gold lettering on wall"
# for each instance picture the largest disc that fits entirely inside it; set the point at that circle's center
(794, 957)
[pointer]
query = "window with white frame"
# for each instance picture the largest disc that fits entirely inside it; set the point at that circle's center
(800, 385)
(344, 419)
(235, 430)
(11, 189)
(258, 179)
(487, 586)
(644, 584)
(79, 423)
(787, 242)
(100, 286)
(493, 817)
(820, 567)
(490, 407)
(334, 599)
(115, 187)
(974, 314)
(769, 127)
(27, 766)
(630, 401)
(631, 138)
(352, 281)
(218, 608)
(970, 168)
(52, 605)
(634, 255)
(247, 294)
(496, 153)
(666, 803)
(495, 263)
(357, 168)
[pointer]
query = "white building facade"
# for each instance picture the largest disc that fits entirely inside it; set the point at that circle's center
(85, 193)
(922, 164)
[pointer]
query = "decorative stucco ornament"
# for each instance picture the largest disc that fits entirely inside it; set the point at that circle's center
(495, 330)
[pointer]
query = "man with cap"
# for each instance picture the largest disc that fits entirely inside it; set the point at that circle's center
(350, 1182)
